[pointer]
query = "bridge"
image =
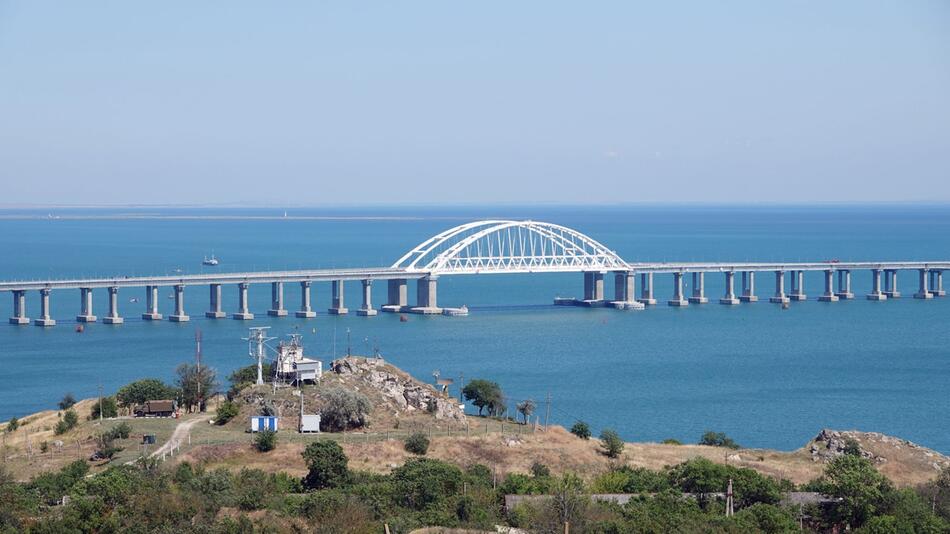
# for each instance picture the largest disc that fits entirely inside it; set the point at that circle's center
(486, 247)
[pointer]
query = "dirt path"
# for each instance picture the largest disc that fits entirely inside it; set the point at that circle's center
(178, 436)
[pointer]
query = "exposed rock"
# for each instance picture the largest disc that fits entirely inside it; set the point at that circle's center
(830, 444)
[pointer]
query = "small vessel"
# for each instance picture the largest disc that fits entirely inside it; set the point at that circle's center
(171, 295)
(212, 261)
(784, 305)
(80, 328)
(403, 319)
(133, 300)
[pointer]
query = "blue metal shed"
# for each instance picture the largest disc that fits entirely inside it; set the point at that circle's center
(263, 422)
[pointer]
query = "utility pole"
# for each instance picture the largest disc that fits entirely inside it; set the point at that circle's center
(198, 366)
(349, 351)
(100, 404)
(547, 412)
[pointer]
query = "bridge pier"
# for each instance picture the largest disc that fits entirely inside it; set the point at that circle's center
(936, 283)
(151, 304)
(179, 315)
(699, 289)
(85, 300)
(646, 289)
(113, 317)
(678, 299)
(45, 319)
(367, 309)
(748, 287)
(338, 304)
(397, 295)
(829, 294)
(214, 303)
(844, 285)
(798, 286)
(923, 292)
(243, 313)
(624, 288)
(277, 300)
(890, 284)
(876, 293)
(593, 289)
(730, 297)
(426, 303)
(305, 312)
(19, 308)
(779, 297)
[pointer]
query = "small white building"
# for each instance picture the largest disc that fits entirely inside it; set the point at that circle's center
(308, 369)
(293, 365)
(310, 423)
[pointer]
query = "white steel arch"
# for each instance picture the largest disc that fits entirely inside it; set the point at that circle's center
(500, 246)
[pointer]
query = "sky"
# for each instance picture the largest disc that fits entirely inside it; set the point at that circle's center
(323, 103)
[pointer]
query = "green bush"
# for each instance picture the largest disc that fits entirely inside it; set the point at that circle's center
(539, 470)
(67, 402)
(120, 431)
(67, 423)
(417, 443)
(718, 439)
(326, 465)
(424, 482)
(672, 441)
(109, 408)
(611, 443)
(13, 425)
(266, 440)
(581, 430)
(227, 410)
(343, 409)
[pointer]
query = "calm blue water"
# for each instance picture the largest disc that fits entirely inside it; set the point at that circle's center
(767, 377)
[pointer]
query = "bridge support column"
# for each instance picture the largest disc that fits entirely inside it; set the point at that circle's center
(699, 289)
(45, 319)
(829, 294)
(151, 304)
(936, 284)
(748, 287)
(426, 302)
(277, 300)
(367, 309)
(876, 293)
(625, 287)
(214, 303)
(646, 289)
(19, 308)
(730, 297)
(338, 304)
(923, 292)
(779, 297)
(890, 284)
(844, 285)
(85, 299)
(305, 311)
(593, 289)
(179, 315)
(678, 299)
(397, 295)
(798, 286)
(243, 313)
(113, 317)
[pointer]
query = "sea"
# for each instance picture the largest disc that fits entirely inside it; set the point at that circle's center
(766, 376)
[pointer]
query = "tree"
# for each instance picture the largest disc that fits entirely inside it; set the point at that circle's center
(526, 408)
(67, 423)
(718, 439)
(611, 443)
(326, 465)
(67, 401)
(13, 424)
(581, 430)
(417, 443)
(423, 482)
(109, 408)
(862, 489)
(485, 394)
(227, 410)
(266, 440)
(146, 389)
(245, 376)
(196, 385)
(343, 409)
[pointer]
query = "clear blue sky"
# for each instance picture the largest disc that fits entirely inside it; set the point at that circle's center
(292, 103)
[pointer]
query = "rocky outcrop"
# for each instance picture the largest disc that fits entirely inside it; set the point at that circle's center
(830, 444)
(877, 447)
(402, 390)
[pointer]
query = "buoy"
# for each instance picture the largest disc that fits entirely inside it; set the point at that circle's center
(403, 319)
(80, 328)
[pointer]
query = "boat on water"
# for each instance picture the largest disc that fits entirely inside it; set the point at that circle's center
(212, 261)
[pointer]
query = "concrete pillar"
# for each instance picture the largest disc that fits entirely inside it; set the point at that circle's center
(890, 284)
(45, 319)
(338, 304)
(214, 303)
(923, 292)
(678, 299)
(624, 286)
(85, 300)
(305, 311)
(936, 287)
(19, 308)
(699, 289)
(646, 289)
(876, 293)
(593, 287)
(779, 297)
(426, 301)
(844, 285)
(277, 300)
(829, 294)
(730, 296)
(367, 309)
(748, 287)
(397, 295)
(179, 315)
(798, 286)
(243, 313)
(151, 304)
(113, 317)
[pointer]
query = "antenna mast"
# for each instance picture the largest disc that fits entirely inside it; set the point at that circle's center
(255, 343)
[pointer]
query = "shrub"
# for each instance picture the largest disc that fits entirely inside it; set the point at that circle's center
(581, 430)
(13, 424)
(326, 465)
(119, 431)
(143, 390)
(227, 410)
(417, 443)
(851, 447)
(109, 408)
(485, 394)
(67, 423)
(266, 440)
(343, 409)
(423, 482)
(44, 446)
(611, 443)
(718, 439)
(539, 470)
(526, 408)
(67, 402)
(672, 441)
